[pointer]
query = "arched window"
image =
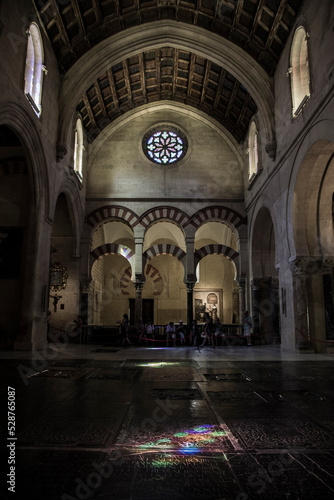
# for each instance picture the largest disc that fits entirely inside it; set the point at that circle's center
(78, 147)
(252, 151)
(299, 70)
(33, 77)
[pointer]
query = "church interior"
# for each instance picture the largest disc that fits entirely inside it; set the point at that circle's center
(167, 160)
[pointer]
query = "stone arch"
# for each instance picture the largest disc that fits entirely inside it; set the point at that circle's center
(75, 211)
(111, 249)
(215, 249)
(164, 249)
(265, 290)
(312, 205)
(158, 282)
(223, 214)
(102, 214)
(308, 193)
(171, 214)
(157, 34)
(16, 118)
(263, 244)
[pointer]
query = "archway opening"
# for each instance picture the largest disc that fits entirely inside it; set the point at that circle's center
(265, 288)
(15, 206)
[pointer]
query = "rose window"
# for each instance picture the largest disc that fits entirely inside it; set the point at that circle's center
(165, 146)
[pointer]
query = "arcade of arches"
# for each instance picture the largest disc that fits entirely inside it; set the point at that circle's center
(90, 225)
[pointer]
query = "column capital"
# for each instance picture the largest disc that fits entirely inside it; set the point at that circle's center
(190, 286)
(304, 264)
(139, 285)
(328, 265)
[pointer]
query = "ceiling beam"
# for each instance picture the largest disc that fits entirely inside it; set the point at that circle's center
(60, 24)
(230, 102)
(113, 88)
(191, 74)
(219, 88)
(100, 98)
(78, 16)
(142, 75)
(89, 110)
(127, 79)
(205, 80)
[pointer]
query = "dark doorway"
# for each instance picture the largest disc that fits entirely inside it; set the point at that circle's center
(148, 310)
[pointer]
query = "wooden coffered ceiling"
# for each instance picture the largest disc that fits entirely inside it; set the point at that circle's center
(167, 74)
(260, 27)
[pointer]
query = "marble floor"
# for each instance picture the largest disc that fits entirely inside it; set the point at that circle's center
(231, 423)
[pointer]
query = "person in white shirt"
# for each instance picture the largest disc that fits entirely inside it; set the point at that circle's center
(170, 331)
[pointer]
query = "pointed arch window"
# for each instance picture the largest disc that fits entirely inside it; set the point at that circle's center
(252, 151)
(299, 71)
(33, 77)
(78, 148)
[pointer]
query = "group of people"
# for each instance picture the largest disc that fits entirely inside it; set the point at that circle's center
(211, 332)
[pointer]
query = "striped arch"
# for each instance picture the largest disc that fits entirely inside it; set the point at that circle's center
(125, 281)
(112, 212)
(221, 214)
(169, 213)
(164, 248)
(153, 273)
(110, 249)
(215, 249)
(150, 272)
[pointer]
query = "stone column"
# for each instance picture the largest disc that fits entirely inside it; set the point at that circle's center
(139, 270)
(190, 270)
(255, 314)
(190, 306)
(87, 300)
(242, 300)
(298, 269)
(274, 297)
(138, 301)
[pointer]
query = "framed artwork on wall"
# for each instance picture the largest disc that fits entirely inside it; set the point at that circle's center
(208, 300)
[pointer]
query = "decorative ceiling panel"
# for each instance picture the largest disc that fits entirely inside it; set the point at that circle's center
(167, 74)
(260, 27)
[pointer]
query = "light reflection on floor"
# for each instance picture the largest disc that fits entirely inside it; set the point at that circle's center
(189, 441)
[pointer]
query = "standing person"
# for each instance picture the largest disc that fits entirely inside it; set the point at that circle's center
(141, 332)
(180, 331)
(195, 334)
(149, 330)
(170, 331)
(248, 327)
(125, 330)
(208, 330)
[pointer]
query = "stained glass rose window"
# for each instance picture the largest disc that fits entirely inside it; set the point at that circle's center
(165, 145)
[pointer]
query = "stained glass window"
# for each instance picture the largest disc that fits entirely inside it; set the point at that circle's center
(165, 146)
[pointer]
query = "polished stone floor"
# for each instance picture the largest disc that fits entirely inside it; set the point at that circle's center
(233, 423)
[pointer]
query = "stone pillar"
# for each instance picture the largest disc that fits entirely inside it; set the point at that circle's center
(242, 299)
(138, 301)
(190, 270)
(255, 314)
(190, 306)
(236, 308)
(299, 268)
(327, 270)
(274, 297)
(87, 300)
(139, 270)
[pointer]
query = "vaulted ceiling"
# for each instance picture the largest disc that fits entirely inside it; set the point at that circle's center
(260, 27)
